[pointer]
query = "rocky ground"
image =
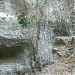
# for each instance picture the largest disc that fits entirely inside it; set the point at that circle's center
(64, 58)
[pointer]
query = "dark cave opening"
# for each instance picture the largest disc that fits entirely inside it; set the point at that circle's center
(10, 52)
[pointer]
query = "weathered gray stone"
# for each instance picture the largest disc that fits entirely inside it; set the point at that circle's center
(45, 47)
(16, 49)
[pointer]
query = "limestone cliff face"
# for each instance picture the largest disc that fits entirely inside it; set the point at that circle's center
(31, 46)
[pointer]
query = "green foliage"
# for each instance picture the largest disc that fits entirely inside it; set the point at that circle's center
(2, 19)
(23, 20)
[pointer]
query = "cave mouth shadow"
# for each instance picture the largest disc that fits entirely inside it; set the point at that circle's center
(10, 52)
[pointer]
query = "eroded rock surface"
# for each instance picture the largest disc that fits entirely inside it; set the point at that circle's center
(16, 49)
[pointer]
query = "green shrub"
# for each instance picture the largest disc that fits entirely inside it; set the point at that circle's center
(23, 20)
(2, 19)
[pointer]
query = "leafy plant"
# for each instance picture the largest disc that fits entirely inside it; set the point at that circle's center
(23, 20)
(2, 19)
